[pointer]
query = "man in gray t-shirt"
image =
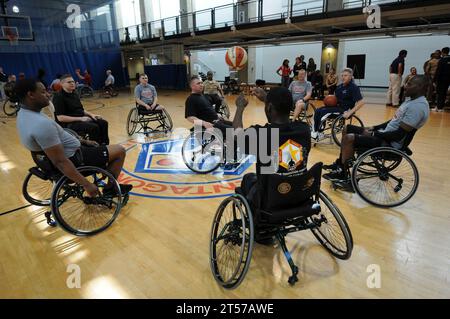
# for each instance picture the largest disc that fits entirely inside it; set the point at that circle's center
(40, 134)
(146, 96)
(37, 132)
(411, 115)
(301, 92)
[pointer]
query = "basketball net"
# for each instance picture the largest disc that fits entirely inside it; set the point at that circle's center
(12, 39)
(11, 35)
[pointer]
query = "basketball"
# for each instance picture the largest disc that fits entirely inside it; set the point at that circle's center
(236, 57)
(57, 87)
(330, 101)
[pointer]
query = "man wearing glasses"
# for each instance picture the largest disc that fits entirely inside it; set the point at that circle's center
(69, 112)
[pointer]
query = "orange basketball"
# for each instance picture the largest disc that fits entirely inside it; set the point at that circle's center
(330, 101)
(57, 87)
(236, 57)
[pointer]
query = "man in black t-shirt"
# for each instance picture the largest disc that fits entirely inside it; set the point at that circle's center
(288, 156)
(395, 79)
(69, 112)
(199, 110)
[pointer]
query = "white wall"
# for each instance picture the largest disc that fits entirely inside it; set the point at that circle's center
(214, 60)
(269, 59)
(381, 52)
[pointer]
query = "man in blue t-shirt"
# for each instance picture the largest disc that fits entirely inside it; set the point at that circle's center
(411, 115)
(395, 79)
(146, 96)
(349, 102)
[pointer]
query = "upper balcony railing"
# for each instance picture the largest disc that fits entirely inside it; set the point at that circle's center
(234, 14)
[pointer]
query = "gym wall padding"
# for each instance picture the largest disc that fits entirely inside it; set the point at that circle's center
(167, 76)
(66, 62)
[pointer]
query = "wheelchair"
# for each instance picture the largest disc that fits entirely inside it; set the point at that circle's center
(221, 109)
(143, 117)
(332, 125)
(11, 106)
(71, 209)
(384, 176)
(109, 91)
(203, 152)
(237, 223)
(305, 115)
(85, 91)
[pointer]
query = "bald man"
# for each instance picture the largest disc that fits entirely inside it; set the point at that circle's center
(412, 114)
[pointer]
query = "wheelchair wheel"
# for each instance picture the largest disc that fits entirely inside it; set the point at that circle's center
(81, 215)
(332, 230)
(202, 152)
(385, 177)
(132, 121)
(37, 191)
(224, 110)
(308, 114)
(231, 242)
(10, 108)
(86, 91)
(338, 126)
(166, 120)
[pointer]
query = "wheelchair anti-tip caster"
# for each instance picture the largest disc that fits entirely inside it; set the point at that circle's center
(50, 221)
(293, 279)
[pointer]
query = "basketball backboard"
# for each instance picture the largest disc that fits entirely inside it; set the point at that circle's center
(15, 24)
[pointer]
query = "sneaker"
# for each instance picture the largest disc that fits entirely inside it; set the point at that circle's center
(337, 175)
(388, 104)
(440, 110)
(345, 185)
(331, 167)
(317, 135)
(395, 105)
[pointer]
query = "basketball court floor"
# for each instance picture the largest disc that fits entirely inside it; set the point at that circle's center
(159, 245)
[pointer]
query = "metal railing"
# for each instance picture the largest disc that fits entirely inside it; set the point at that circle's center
(233, 14)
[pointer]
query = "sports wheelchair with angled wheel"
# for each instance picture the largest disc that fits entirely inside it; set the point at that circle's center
(109, 91)
(141, 120)
(203, 152)
(286, 204)
(306, 115)
(85, 91)
(332, 125)
(69, 204)
(384, 176)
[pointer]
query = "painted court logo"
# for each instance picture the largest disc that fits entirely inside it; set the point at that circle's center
(159, 172)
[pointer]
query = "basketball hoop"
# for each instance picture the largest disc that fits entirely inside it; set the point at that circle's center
(12, 34)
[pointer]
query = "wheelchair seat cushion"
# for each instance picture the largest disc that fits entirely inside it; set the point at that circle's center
(143, 111)
(306, 209)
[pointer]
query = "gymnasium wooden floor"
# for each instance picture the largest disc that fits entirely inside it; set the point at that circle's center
(159, 248)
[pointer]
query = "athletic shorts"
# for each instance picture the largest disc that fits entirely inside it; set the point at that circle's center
(97, 156)
(364, 141)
